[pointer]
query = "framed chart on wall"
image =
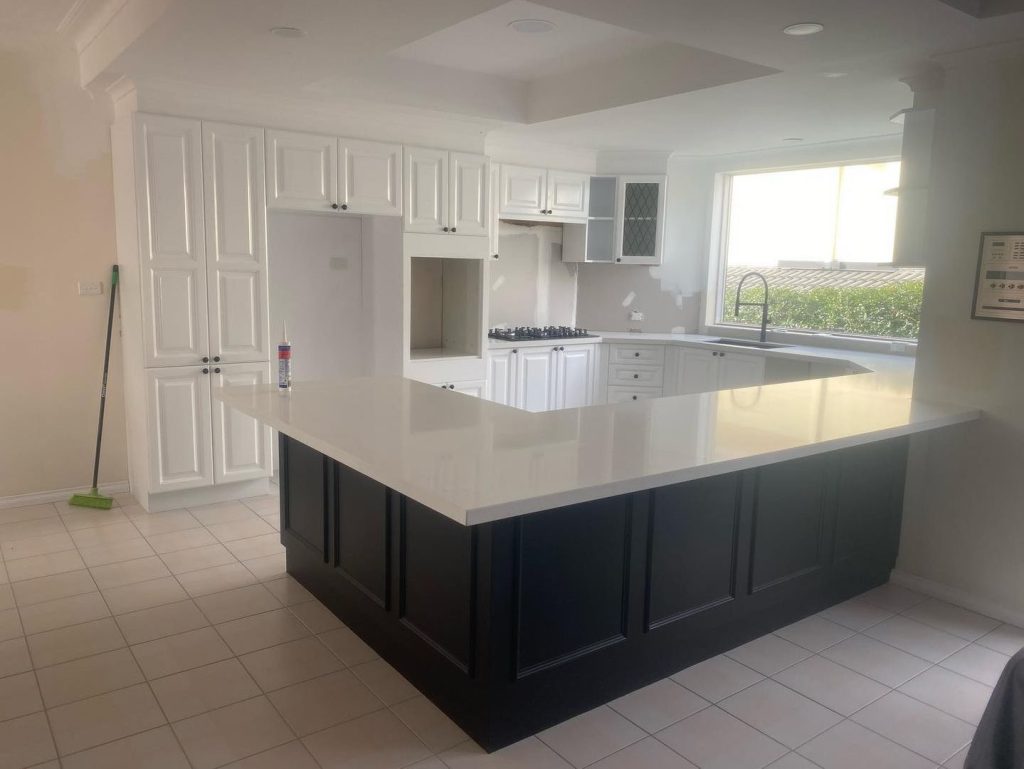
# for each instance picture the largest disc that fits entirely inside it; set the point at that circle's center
(999, 282)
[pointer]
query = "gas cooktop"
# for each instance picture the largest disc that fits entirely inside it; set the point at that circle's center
(526, 333)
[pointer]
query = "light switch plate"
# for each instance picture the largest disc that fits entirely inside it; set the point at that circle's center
(90, 287)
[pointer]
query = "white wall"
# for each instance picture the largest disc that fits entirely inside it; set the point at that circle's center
(530, 284)
(964, 513)
(316, 286)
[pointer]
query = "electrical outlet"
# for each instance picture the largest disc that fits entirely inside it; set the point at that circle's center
(90, 287)
(636, 315)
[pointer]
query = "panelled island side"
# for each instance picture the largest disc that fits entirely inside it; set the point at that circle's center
(520, 568)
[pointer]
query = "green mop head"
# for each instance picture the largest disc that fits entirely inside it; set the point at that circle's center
(92, 498)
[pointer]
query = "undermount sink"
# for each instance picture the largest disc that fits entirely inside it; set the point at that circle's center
(749, 343)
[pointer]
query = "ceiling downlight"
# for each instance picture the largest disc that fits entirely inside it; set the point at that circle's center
(804, 28)
(287, 32)
(531, 26)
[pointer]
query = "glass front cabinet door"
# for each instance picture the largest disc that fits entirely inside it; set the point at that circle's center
(640, 219)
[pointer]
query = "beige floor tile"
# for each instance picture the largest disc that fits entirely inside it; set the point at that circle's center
(4, 579)
(977, 662)
(388, 684)
(14, 657)
(183, 651)
(874, 659)
(434, 728)
(196, 691)
(155, 749)
(253, 526)
(856, 613)
(1005, 639)
(781, 713)
(815, 633)
(916, 638)
(40, 617)
(261, 630)
(237, 603)
(317, 617)
(914, 725)
(829, 684)
(658, 705)
(25, 741)
(79, 518)
(105, 535)
(716, 678)
(40, 589)
(129, 572)
(267, 568)
(27, 513)
(149, 524)
(952, 619)
(87, 677)
(288, 591)
(590, 736)
(40, 527)
(106, 717)
(256, 547)
(646, 754)
(769, 654)
(375, 741)
(273, 520)
(6, 596)
(216, 579)
(195, 558)
(893, 597)
(41, 545)
(44, 565)
(144, 595)
(115, 552)
(713, 739)
(221, 512)
(74, 642)
(19, 696)
(290, 663)
(180, 540)
(268, 505)
(317, 704)
(291, 755)
(170, 619)
(950, 692)
(10, 624)
(231, 733)
(350, 648)
(530, 753)
(850, 746)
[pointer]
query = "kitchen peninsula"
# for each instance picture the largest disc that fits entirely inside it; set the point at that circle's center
(520, 568)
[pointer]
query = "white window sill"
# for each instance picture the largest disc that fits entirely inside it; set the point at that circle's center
(816, 339)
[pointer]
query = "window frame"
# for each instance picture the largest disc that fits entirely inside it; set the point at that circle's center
(714, 303)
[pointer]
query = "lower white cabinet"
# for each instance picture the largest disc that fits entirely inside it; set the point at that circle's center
(542, 378)
(476, 388)
(700, 370)
(196, 441)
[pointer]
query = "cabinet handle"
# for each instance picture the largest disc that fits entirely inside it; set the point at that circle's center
(495, 256)
(618, 259)
(216, 370)
(562, 349)
(636, 376)
(334, 206)
(445, 229)
(216, 359)
(634, 397)
(453, 229)
(206, 360)
(636, 355)
(514, 352)
(721, 355)
(451, 387)
(206, 371)
(344, 206)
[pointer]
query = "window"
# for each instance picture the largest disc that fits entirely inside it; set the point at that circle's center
(823, 238)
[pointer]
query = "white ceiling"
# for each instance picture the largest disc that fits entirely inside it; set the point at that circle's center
(695, 76)
(24, 21)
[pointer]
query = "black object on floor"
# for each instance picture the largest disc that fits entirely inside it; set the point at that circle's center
(999, 741)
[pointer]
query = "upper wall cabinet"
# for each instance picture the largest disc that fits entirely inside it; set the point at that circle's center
(446, 192)
(172, 249)
(371, 177)
(306, 172)
(537, 194)
(640, 219)
(236, 243)
(302, 171)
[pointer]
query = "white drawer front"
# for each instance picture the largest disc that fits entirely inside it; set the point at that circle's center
(635, 376)
(650, 354)
(621, 394)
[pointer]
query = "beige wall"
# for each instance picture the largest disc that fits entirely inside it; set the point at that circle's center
(530, 284)
(57, 227)
(964, 511)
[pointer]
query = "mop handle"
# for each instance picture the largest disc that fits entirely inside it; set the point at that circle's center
(106, 367)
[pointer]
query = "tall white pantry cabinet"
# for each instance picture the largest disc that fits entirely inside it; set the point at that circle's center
(192, 248)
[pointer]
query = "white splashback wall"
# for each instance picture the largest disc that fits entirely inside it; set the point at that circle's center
(316, 285)
(530, 284)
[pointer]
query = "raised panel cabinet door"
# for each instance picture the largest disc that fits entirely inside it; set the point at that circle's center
(474, 388)
(236, 243)
(568, 194)
(501, 380)
(302, 171)
(697, 372)
(371, 177)
(426, 190)
(575, 376)
(740, 370)
(169, 190)
(241, 444)
(469, 194)
(523, 190)
(535, 379)
(640, 219)
(181, 444)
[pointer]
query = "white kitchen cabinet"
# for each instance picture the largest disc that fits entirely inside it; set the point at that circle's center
(640, 219)
(501, 376)
(241, 445)
(535, 379)
(475, 388)
(179, 420)
(370, 175)
(172, 249)
(236, 243)
(700, 370)
(469, 196)
(574, 376)
(302, 171)
(739, 370)
(539, 193)
(568, 195)
(523, 190)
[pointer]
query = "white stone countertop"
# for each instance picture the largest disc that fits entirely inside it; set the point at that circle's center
(476, 461)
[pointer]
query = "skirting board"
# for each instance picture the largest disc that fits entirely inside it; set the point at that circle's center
(959, 597)
(42, 497)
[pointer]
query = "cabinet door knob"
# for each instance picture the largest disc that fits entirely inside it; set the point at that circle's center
(216, 370)
(451, 387)
(453, 229)
(636, 355)
(562, 349)
(634, 397)
(514, 352)
(216, 359)
(618, 259)
(206, 360)
(636, 376)
(445, 229)
(334, 206)
(344, 206)
(495, 256)
(721, 355)
(206, 371)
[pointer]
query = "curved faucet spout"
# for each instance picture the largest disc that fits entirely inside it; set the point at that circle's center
(762, 304)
